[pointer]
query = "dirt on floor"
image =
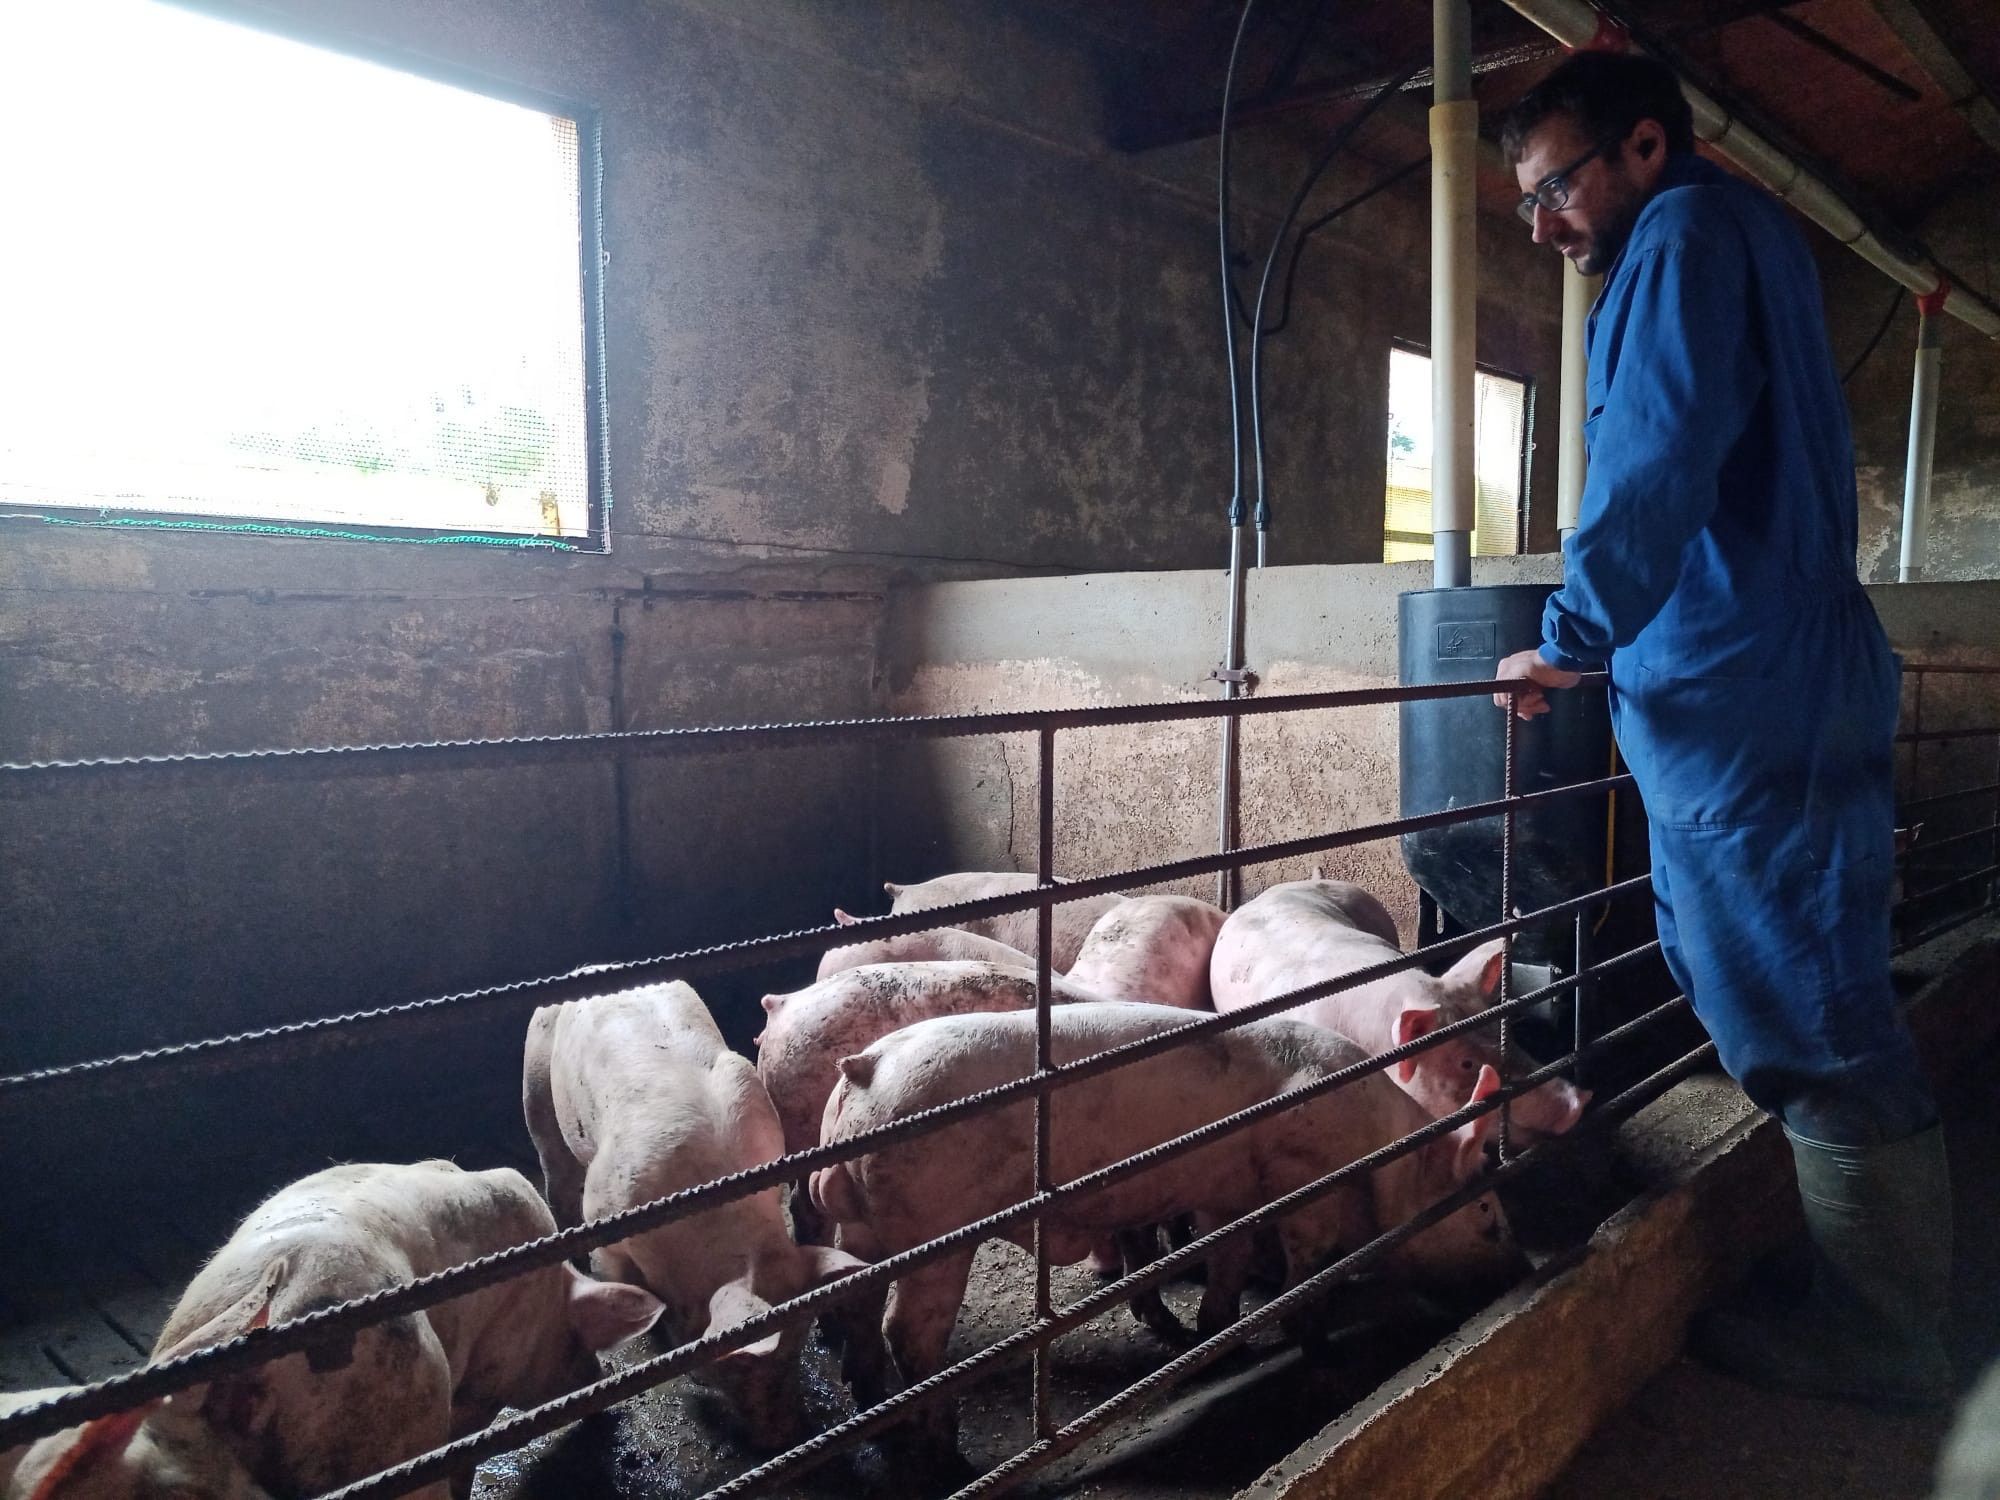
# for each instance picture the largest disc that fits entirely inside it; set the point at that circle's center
(1208, 1436)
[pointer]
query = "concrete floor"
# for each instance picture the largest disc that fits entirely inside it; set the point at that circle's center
(1696, 1435)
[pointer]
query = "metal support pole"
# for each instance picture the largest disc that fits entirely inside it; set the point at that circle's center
(1229, 883)
(1044, 963)
(1507, 788)
(1923, 433)
(1454, 131)
(1580, 997)
(1579, 292)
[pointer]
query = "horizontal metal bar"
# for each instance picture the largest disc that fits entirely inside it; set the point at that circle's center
(505, 1436)
(1903, 808)
(1012, 1471)
(1933, 736)
(262, 1345)
(1550, 991)
(1939, 929)
(1917, 851)
(36, 777)
(1971, 878)
(1948, 669)
(330, 1033)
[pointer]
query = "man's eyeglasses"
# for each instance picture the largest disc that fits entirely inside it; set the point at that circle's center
(1552, 192)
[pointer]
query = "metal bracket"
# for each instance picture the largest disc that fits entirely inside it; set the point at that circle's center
(1243, 677)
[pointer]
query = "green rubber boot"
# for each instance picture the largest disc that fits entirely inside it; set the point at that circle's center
(1871, 1328)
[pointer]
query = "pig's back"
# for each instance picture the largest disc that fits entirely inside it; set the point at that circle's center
(1296, 934)
(353, 1228)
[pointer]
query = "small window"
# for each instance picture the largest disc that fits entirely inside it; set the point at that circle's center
(1500, 460)
(251, 279)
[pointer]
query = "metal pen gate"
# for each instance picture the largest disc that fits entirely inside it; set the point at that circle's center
(164, 1066)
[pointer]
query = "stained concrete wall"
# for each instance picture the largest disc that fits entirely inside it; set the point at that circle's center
(880, 302)
(1964, 231)
(1147, 794)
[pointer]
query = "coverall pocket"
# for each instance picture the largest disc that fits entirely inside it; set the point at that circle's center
(1713, 752)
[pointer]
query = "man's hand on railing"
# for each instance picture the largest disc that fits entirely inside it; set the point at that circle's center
(1529, 667)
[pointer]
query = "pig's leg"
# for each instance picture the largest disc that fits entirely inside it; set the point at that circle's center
(854, 1325)
(923, 1306)
(1222, 1297)
(809, 1225)
(562, 1174)
(1140, 1248)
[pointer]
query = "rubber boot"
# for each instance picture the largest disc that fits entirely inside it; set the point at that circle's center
(1871, 1327)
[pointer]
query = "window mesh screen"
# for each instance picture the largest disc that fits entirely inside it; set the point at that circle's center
(259, 279)
(1500, 425)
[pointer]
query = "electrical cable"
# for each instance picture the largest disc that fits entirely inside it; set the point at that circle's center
(1316, 225)
(1888, 317)
(1339, 140)
(1222, 239)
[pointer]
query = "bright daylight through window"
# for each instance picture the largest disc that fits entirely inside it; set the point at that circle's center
(1499, 466)
(243, 277)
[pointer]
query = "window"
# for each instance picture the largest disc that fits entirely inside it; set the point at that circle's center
(245, 277)
(1499, 466)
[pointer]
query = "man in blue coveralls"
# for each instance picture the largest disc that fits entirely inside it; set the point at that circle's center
(1753, 693)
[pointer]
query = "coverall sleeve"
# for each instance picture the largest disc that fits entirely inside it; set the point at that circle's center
(1685, 380)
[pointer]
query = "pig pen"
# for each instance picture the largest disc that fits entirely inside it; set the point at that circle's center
(107, 1236)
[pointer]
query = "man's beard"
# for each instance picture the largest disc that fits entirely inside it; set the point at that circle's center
(1602, 248)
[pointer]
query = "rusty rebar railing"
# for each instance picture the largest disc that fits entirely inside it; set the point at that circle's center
(1042, 1086)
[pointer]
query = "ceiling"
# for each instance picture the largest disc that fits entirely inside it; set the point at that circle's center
(1828, 79)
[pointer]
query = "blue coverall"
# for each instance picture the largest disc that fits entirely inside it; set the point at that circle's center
(1753, 692)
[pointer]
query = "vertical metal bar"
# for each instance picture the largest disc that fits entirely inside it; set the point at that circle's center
(1507, 915)
(1044, 965)
(1580, 996)
(1229, 883)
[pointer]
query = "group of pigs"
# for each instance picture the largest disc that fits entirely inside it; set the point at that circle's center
(633, 1096)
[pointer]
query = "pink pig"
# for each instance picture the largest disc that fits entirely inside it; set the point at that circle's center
(899, 1196)
(1305, 931)
(1071, 921)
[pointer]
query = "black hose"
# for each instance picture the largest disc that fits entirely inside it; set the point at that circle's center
(1333, 147)
(1222, 238)
(1299, 243)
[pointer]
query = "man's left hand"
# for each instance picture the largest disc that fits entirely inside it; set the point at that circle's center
(1528, 666)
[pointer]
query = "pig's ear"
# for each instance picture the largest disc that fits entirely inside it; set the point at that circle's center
(1415, 1021)
(735, 1303)
(892, 888)
(251, 1310)
(772, 1002)
(1469, 1140)
(1318, 873)
(858, 1070)
(102, 1438)
(606, 1314)
(1478, 973)
(843, 919)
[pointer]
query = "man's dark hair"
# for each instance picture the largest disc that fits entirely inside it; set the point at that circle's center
(1607, 93)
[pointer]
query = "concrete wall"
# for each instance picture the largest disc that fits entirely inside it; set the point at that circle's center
(1965, 486)
(1147, 794)
(880, 302)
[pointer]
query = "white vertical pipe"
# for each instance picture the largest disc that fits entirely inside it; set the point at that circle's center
(1579, 291)
(1923, 431)
(1454, 130)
